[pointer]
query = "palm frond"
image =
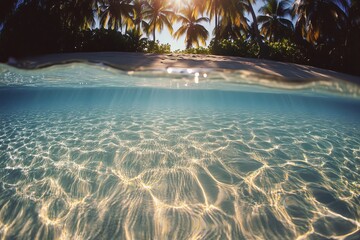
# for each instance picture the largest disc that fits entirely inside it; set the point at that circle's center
(181, 31)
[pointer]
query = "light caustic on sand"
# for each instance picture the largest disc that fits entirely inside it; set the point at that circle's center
(176, 175)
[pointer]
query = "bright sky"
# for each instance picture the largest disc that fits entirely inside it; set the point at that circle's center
(165, 36)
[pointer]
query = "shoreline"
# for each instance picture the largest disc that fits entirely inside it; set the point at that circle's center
(130, 61)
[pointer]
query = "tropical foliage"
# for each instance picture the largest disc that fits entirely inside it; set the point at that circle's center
(114, 14)
(159, 14)
(324, 33)
(275, 26)
(238, 47)
(198, 50)
(191, 27)
(321, 21)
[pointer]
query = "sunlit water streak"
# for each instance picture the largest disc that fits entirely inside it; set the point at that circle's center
(132, 162)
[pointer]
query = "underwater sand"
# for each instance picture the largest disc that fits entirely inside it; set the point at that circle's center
(133, 162)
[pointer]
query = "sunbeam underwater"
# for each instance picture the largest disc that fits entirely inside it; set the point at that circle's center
(91, 152)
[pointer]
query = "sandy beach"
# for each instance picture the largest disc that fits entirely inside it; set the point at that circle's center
(142, 62)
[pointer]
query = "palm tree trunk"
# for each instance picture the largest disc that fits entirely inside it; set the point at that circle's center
(138, 27)
(154, 30)
(120, 23)
(262, 45)
(216, 25)
(188, 44)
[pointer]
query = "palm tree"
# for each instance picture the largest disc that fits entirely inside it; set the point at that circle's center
(81, 14)
(200, 5)
(137, 14)
(233, 21)
(159, 13)
(134, 34)
(191, 27)
(229, 17)
(213, 9)
(274, 24)
(114, 13)
(321, 21)
(255, 28)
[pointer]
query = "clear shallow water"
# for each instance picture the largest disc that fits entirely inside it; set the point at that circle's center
(130, 156)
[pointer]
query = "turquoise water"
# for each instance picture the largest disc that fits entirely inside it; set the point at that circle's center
(90, 152)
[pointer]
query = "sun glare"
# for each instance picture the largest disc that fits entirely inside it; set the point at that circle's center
(179, 3)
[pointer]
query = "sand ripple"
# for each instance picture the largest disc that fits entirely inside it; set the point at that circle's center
(163, 174)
